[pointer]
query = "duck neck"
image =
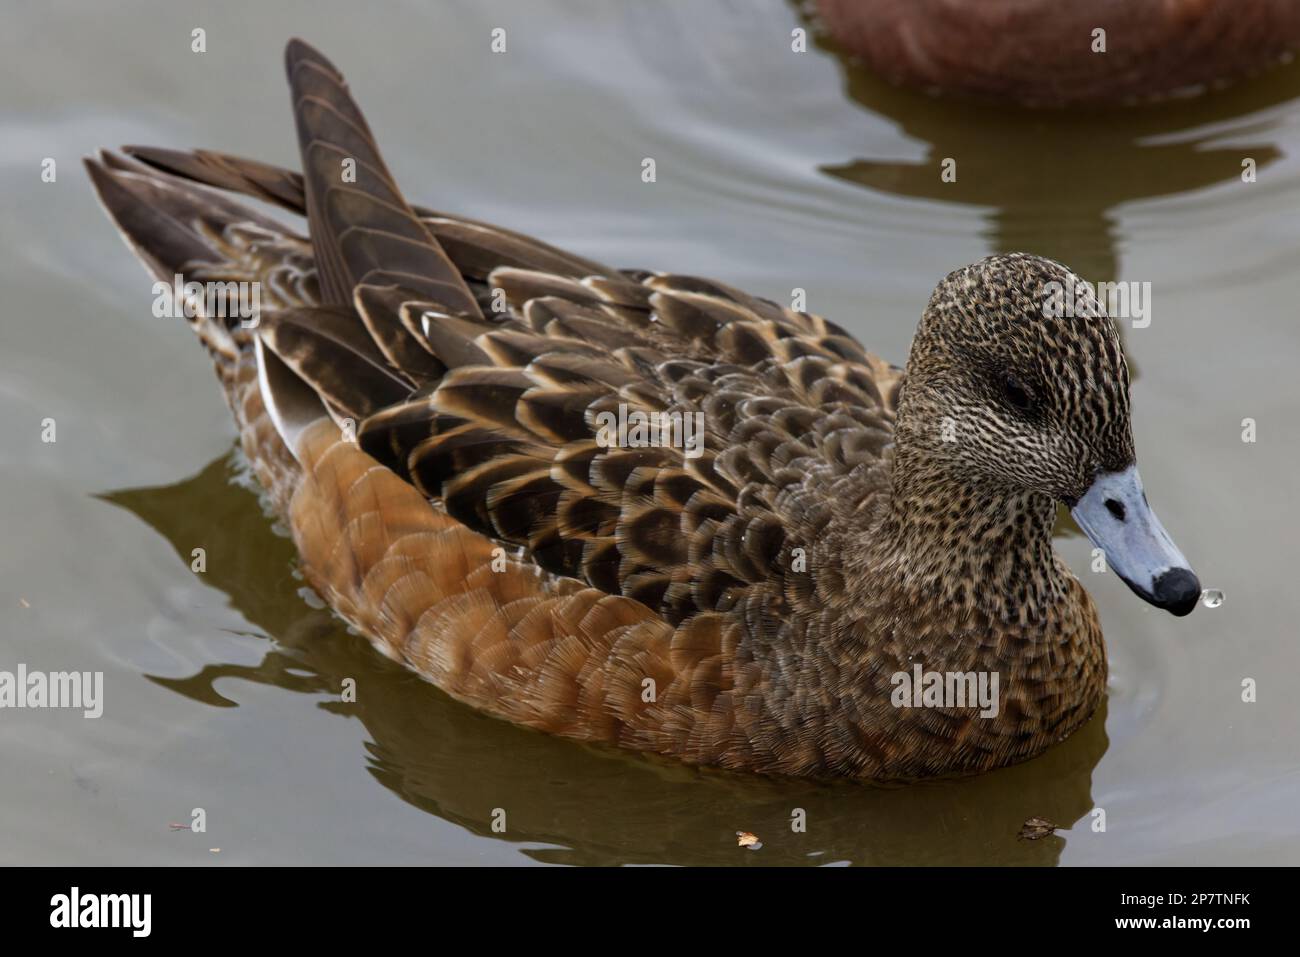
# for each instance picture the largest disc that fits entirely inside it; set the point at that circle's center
(967, 544)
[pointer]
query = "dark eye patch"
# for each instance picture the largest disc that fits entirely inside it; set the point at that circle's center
(1016, 394)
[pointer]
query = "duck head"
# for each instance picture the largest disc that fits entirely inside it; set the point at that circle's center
(1020, 392)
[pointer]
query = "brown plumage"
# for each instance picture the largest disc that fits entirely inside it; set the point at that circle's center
(423, 400)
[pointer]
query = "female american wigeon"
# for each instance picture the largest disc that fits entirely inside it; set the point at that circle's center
(446, 416)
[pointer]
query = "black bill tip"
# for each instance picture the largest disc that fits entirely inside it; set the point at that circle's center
(1177, 591)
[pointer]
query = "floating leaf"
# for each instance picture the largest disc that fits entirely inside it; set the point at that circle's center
(1037, 828)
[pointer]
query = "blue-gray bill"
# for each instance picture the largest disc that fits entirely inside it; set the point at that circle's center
(1115, 515)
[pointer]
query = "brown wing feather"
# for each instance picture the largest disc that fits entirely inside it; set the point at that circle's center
(501, 430)
(362, 230)
(507, 441)
(542, 651)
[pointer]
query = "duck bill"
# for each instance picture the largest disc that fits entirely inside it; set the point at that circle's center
(1115, 515)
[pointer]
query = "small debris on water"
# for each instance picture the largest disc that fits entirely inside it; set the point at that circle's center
(1037, 828)
(745, 839)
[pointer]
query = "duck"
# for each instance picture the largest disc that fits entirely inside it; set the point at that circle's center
(1059, 53)
(646, 509)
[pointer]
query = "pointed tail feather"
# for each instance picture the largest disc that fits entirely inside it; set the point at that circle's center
(155, 220)
(260, 180)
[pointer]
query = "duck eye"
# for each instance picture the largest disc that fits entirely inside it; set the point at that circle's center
(1016, 394)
